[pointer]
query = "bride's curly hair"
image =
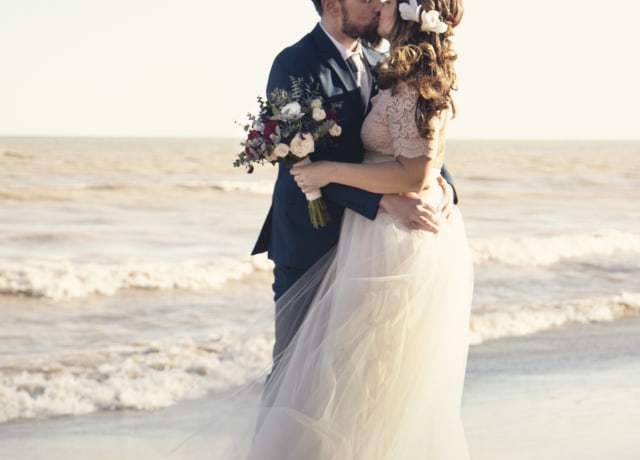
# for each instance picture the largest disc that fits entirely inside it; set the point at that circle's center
(424, 61)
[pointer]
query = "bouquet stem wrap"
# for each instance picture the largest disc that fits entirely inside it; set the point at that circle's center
(318, 211)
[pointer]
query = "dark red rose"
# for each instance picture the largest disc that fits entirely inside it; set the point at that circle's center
(269, 128)
(253, 134)
(251, 152)
(331, 115)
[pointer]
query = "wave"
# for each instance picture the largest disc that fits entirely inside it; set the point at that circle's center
(543, 251)
(14, 154)
(71, 191)
(141, 376)
(66, 279)
(492, 323)
(259, 187)
(150, 375)
(63, 279)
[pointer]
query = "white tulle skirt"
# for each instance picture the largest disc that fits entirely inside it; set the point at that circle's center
(377, 368)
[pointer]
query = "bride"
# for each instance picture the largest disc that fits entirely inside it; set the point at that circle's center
(376, 370)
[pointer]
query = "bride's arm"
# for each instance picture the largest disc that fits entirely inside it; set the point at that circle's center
(415, 158)
(399, 176)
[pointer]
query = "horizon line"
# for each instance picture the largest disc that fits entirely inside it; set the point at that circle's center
(239, 138)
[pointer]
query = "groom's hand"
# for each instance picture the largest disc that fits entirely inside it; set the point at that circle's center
(446, 204)
(411, 211)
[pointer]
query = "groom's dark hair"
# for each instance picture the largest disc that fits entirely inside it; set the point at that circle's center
(318, 5)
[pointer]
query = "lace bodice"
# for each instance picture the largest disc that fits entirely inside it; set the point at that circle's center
(389, 130)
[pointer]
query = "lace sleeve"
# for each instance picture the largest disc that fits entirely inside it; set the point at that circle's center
(405, 137)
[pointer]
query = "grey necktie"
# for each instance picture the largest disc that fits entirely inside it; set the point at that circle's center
(355, 64)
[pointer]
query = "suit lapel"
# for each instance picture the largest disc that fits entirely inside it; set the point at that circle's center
(332, 58)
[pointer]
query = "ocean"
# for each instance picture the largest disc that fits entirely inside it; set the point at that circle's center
(126, 281)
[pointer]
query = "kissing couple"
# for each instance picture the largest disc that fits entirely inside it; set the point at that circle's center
(371, 310)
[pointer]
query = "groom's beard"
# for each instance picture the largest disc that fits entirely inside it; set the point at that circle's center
(371, 36)
(368, 32)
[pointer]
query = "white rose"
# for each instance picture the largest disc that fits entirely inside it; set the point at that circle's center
(291, 110)
(431, 22)
(318, 114)
(281, 150)
(335, 130)
(302, 145)
(316, 104)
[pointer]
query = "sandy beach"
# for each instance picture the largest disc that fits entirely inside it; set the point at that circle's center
(570, 395)
(560, 395)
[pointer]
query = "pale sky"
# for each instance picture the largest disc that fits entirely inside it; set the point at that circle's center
(563, 69)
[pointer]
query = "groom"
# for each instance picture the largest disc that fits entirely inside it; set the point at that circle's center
(322, 58)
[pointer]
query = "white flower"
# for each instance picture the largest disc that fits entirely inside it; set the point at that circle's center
(316, 104)
(291, 110)
(318, 114)
(410, 11)
(335, 130)
(281, 150)
(302, 145)
(431, 22)
(257, 126)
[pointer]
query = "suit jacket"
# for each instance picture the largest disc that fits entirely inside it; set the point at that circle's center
(287, 234)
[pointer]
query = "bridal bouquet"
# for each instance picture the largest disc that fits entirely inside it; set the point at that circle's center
(287, 129)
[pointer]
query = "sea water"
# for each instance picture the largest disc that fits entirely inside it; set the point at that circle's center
(126, 280)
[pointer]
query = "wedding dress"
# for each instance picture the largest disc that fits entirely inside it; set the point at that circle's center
(377, 368)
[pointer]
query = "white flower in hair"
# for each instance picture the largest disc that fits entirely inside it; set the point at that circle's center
(410, 11)
(431, 22)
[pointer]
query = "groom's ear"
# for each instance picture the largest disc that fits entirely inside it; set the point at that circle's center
(332, 7)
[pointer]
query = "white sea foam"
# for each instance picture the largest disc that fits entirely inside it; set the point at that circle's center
(497, 323)
(64, 279)
(142, 376)
(261, 187)
(542, 251)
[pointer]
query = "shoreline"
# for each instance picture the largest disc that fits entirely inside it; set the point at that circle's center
(565, 394)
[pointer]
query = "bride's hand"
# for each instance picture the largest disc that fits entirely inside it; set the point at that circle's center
(313, 176)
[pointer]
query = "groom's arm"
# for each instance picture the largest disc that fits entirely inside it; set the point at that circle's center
(361, 201)
(444, 172)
